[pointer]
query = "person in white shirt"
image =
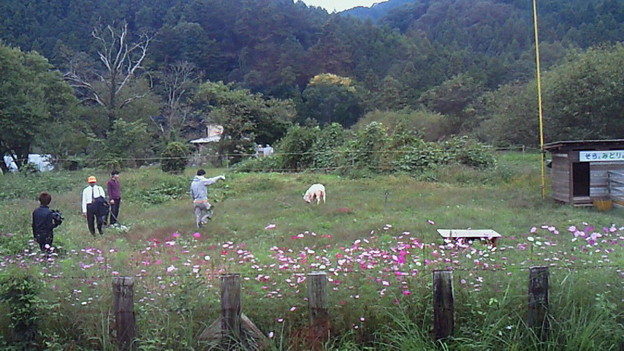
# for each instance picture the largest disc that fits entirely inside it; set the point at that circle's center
(93, 196)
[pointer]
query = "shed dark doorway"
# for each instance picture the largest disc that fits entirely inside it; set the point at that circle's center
(580, 179)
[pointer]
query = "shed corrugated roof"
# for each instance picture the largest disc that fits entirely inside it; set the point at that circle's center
(584, 144)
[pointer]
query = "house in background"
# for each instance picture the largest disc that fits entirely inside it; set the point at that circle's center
(206, 146)
(213, 135)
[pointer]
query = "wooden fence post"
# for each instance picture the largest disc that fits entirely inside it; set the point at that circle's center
(443, 304)
(230, 310)
(538, 300)
(123, 307)
(318, 310)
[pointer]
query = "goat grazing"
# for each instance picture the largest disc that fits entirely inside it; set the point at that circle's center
(315, 192)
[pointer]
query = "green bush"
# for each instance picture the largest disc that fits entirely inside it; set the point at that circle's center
(324, 148)
(294, 148)
(368, 149)
(168, 189)
(470, 152)
(20, 293)
(174, 158)
(372, 149)
(259, 164)
(19, 185)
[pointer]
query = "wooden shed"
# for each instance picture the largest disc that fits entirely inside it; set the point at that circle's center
(580, 170)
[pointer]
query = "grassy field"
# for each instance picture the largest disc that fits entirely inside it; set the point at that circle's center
(376, 237)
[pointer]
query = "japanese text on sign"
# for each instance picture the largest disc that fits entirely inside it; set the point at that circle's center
(597, 156)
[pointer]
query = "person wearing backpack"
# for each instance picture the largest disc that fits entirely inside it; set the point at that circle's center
(93, 201)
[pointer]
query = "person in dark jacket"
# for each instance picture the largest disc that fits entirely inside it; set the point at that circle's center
(114, 194)
(43, 223)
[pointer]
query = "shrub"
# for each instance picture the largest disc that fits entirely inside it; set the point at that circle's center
(419, 157)
(19, 185)
(259, 164)
(20, 293)
(324, 149)
(470, 152)
(366, 151)
(174, 158)
(168, 189)
(294, 148)
(430, 125)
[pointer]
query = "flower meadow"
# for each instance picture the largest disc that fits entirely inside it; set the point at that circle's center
(377, 283)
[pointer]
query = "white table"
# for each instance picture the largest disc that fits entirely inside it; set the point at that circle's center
(467, 234)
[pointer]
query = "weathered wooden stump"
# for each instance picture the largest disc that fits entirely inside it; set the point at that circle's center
(443, 304)
(319, 331)
(123, 307)
(538, 301)
(233, 330)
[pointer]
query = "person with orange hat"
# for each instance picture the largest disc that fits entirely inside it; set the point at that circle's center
(92, 198)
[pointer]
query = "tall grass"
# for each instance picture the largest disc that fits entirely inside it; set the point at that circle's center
(176, 289)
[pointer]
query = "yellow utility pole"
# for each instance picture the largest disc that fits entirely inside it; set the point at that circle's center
(539, 99)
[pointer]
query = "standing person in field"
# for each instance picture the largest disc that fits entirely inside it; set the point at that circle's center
(268, 150)
(199, 193)
(43, 223)
(93, 201)
(114, 194)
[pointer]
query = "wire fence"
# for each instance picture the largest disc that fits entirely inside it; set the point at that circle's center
(522, 148)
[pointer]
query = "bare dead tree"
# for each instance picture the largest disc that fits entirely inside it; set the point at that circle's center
(176, 81)
(121, 61)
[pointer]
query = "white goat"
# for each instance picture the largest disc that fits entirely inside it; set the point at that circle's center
(315, 192)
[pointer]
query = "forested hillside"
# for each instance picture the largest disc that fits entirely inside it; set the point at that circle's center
(276, 46)
(445, 57)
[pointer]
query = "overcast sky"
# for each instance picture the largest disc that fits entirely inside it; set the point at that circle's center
(340, 5)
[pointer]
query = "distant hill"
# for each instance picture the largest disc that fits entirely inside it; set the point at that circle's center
(376, 11)
(276, 46)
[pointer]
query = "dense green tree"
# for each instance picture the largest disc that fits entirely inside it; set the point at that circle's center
(452, 99)
(294, 148)
(34, 101)
(275, 47)
(582, 99)
(247, 118)
(429, 126)
(331, 98)
(509, 115)
(126, 141)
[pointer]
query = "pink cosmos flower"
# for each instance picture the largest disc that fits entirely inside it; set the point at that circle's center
(176, 235)
(196, 235)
